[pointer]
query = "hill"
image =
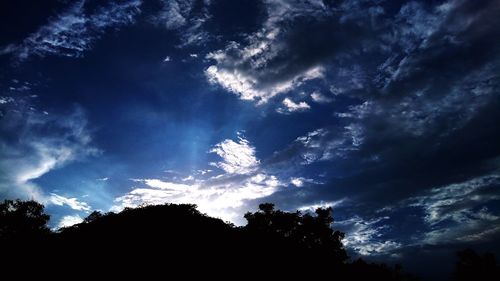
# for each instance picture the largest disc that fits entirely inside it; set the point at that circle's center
(177, 240)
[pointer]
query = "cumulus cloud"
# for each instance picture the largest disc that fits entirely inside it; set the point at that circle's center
(277, 58)
(67, 221)
(301, 181)
(291, 106)
(237, 157)
(72, 32)
(225, 195)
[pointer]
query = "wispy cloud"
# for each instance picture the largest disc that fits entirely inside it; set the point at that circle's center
(185, 16)
(364, 236)
(72, 32)
(321, 204)
(459, 212)
(42, 143)
(73, 203)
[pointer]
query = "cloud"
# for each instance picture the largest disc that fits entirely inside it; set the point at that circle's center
(365, 236)
(323, 144)
(291, 106)
(73, 203)
(227, 195)
(458, 212)
(452, 202)
(237, 157)
(320, 98)
(249, 88)
(72, 32)
(278, 58)
(301, 181)
(224, 197)
(67, 221)
(34, 143)
(321, 204)
(187, 17)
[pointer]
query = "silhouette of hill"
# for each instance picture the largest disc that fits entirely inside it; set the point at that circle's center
(177, 240)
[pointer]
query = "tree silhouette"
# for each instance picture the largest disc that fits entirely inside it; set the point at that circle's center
(472, 266)
(310, 233)
(170, 238)
(22, 220)
(93, 216)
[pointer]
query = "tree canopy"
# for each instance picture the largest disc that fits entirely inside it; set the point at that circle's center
(171, 237)
(22, 220)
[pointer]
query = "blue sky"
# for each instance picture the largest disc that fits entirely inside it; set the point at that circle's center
(385, 110)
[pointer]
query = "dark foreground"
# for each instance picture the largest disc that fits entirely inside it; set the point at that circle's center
(178, 242)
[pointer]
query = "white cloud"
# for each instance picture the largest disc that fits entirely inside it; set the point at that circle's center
(224, 195)
(166, 59)
(248, 86)
(320, 98)
(249, 70)
(67, 221)
(454, 201)
(73, 203)
(291, 106)
(45, 142)
(363, 236)
(325, 144)
(321, 204)
(300, 181)
(4, 100)
(73, 31)
(237, 157)
(457, 213)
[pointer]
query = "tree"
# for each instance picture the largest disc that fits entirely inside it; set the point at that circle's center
(472, 266)
(310, 232)
(22, 220)
(93, 216)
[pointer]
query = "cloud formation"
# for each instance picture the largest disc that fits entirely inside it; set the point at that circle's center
(364, 236)
(225, 195)
(187, 17)
(67, 221)
(237, 157)
(73, 203)
(72, 32)
(290, 106)
(34, 143)
(459, 212)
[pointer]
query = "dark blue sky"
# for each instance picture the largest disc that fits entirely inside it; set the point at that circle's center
(386, 110)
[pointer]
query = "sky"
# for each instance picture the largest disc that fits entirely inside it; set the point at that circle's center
(387, 111)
